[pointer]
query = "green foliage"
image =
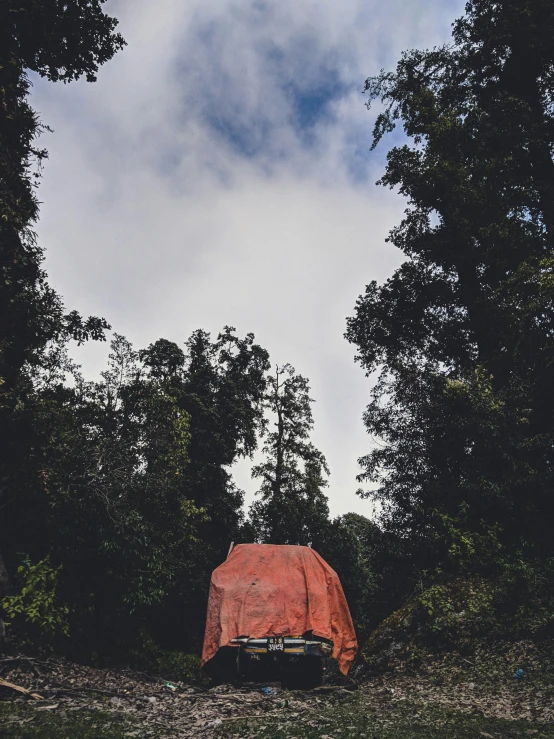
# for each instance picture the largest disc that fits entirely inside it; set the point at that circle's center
(443, 616)
(125, 481)
(462, 331)
(349, 546)
(448, 608)
(37, 604)
(292, 508)
(464, 550)
(169, 664)
(526, 596)
(180, 666)
(22, 721)
(133, 495)
(59, 41)
(222, 389)
(467, 613)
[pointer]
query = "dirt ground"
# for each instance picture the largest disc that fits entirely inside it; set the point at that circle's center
(437, 701)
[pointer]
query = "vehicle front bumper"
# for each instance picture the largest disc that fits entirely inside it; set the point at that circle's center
(287, 646)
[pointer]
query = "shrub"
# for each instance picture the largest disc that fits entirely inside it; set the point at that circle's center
(170, 664)
(35, 610)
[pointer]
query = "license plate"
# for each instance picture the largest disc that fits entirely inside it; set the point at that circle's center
(275, 644)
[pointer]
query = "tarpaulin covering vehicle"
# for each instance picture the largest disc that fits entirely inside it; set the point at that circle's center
(281, 604)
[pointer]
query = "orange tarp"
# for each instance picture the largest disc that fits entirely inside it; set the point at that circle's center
(278, 590)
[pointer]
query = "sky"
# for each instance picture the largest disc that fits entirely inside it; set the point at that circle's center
(219, 173)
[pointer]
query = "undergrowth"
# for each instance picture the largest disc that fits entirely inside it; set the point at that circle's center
(353, 721)
(463, 615)
(19, 721)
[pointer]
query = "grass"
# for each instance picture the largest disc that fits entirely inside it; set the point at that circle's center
(342, 718)
(20, 721)
(352, 721)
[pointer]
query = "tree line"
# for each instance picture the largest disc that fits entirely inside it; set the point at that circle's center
(462, 333)
(130, 503)
(116, 495)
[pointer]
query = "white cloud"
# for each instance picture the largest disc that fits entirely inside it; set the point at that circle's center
(188, 187)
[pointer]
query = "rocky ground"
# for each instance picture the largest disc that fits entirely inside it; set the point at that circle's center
(447, 699)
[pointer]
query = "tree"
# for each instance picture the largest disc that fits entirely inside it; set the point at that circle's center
(463, 329)
(223, 391)
(220, 385)
(292, 508)
(113, 509)
(136, 503)
(58, 41)
(352, 545)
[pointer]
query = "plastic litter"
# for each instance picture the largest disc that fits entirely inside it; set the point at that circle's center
(171, 686)
(519, 674)
(268, 691)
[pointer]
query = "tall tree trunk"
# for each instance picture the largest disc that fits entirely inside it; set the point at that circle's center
(4, 590)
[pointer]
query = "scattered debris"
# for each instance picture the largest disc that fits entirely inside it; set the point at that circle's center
(7, 684)
(206, 713)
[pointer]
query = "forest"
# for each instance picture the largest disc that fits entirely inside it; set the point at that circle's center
(117, 498)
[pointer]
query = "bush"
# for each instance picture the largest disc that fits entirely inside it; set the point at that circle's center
(466, 612)
(35, 611)
(170, 664)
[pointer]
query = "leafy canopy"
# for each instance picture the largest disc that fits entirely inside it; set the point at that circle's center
(58, 39)
(462, 332)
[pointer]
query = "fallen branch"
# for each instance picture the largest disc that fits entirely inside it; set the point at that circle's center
(115, 693)
(7, 684)
(33, 667)
(22, 657)
(79, 690)
(151, 678)
(60, 691)
(236, 697)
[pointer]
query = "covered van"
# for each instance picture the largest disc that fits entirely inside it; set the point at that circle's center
(281, 604)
